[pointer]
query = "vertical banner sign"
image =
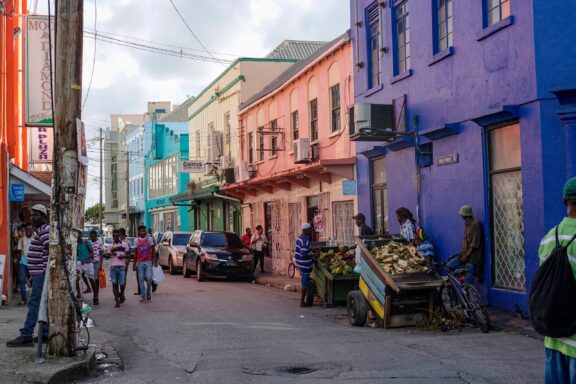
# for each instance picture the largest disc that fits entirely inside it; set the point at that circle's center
(81, 138)
(41, 144)
(37, 71)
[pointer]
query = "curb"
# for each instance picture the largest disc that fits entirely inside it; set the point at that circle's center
(75, 370)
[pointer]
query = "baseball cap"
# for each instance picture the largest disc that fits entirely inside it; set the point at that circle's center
(306, 226)
(359, 216)
(40, 208)
(570, 189)
(465, 211)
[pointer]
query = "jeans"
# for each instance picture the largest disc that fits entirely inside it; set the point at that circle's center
(559, 368)
(144, 273)
(118, 275)
(259, 258)
(455, 263)
(304, 279)
(33, 305)
(22, 276)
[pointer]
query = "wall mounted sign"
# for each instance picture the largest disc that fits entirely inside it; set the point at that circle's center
(349, 187)
(192, 166)
(16, 192)
(81, 139)
(41, 144)
(445, 160)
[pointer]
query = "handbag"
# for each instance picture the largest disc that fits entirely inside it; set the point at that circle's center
(102, 278)
(157, 275)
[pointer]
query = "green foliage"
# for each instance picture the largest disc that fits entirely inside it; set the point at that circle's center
(92, 213)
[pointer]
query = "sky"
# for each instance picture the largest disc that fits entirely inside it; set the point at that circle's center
(124, 79)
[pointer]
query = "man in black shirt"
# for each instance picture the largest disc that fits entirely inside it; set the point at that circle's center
(364, 229)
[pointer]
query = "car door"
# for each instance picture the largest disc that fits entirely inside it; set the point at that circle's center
(193, 252)
(164, 248)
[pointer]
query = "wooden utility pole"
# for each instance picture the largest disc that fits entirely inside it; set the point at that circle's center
(100, 207)
(65, 198)
(128, 193)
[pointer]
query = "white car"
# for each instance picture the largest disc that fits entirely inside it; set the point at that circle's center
(108, 246)
(172, 249)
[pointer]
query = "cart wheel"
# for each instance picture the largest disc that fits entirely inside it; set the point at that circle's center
(357, 308)
(310, 293)
(291, 270)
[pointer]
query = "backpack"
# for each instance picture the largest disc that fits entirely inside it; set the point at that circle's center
(552, 300)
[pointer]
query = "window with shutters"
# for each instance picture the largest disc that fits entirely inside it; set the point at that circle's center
(261, 143)
(401, 22)
(251, 148)
(273, 138)
(313, 107)
(443, 19)
(374, 72)
(495, 10)
(295, 127)
(335, 107)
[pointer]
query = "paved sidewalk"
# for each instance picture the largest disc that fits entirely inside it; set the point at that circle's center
(18, 365)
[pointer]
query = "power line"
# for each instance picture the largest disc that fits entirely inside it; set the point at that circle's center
(190, 29)
(93, 59)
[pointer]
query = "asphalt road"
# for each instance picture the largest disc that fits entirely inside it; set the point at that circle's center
(233, 332)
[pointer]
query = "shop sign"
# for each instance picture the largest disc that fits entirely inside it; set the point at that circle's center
(16, 192)
(191, 166)
(37, 70)
(349, 187)
(450, 159)
(41, 144)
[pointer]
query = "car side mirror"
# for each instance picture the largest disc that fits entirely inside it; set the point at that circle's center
(193, 244)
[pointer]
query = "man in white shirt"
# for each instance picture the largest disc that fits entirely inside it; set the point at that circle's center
(23, 245)
(259, 243)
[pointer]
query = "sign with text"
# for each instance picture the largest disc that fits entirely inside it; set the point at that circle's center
(41, 144)
(16, 192)
(192, 166)
(348, 187)
(81, 140)
(445, 160)
(37, 70)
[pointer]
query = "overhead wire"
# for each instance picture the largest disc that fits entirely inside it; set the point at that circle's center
(93, 58)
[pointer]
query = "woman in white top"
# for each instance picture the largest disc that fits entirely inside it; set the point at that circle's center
(258, 243)
(407, 223)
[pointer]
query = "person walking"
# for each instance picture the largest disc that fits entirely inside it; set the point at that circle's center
(407, 223)
(97, 252)
(304, 261)
(472, 246)
(118, 267)
(259, 242)
(23, 247)
(247, 237)
(560, 366)
(143, 260)
(37, 259)
(84, 264)
(128, 246)
(153, 244)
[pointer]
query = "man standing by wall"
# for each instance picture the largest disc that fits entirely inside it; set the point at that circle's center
(304, 261)
(472, 246)
(23, 247)
(37, 260)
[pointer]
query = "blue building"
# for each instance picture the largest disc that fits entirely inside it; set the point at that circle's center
(481, 98)
(162, 177)
(136, 141)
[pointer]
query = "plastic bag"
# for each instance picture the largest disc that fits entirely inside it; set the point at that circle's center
(102, 278)
(157, 275)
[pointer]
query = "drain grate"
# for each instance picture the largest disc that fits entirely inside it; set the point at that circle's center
(299, 370)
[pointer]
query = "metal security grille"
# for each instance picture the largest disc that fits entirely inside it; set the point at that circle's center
(343, 223)
(508, 228)
(279, 238)
(294, 223)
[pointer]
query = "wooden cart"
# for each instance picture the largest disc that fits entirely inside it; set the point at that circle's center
(397, 300)
(332, 289)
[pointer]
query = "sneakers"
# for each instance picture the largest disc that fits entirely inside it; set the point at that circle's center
(21, 341)
(95, 302)
(154, 287)
(122, 299)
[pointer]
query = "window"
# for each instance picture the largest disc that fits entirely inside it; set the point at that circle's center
(163, 178)
(508, 258)
(444, 25)
(314, 119)
(343, 226)
(227, 128)
(295, 128)
(373, 46)
(114, 181)
(251, 148)
(380, 195)
(496, 10)
(401, 38)
(335, 106)
(198, 152)
(273, 138)
(261, 143)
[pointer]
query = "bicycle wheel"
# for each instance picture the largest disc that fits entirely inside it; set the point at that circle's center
(478, 310)
(291, 270)
(447, 294)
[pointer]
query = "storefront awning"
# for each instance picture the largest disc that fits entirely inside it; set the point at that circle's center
(193, 198)
(32, 185)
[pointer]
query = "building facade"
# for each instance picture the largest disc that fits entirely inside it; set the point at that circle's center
(478, 105)
(137, 141)
(297, 160)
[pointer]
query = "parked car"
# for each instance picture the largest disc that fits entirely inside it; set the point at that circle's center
(132, 241)
(157, 240)
(108, 240)
(171, 250)
(218, 254)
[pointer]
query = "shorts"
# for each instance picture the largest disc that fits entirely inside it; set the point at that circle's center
(304, 279)
(118, 275)
(87, 269)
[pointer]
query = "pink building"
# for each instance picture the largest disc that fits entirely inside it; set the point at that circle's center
(297, 160)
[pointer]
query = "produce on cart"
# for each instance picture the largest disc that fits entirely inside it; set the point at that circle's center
(395, 283)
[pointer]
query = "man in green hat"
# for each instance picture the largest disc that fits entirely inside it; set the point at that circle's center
(561, 352)
(472, 246)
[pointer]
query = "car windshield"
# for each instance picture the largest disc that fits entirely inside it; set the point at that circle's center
(108, 240)
(180, 238)
(219, 239)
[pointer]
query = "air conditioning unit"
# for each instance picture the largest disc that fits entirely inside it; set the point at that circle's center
(210, 169)
(372, 116)
(302, 150)
(252, 170)
(229, 175)
(226, 162)
(241, 171)
(214, 146)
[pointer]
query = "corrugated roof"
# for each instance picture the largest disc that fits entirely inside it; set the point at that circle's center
(292, 71)
(295, 49)
(179, 114)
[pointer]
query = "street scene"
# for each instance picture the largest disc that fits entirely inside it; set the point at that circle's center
(269, 191)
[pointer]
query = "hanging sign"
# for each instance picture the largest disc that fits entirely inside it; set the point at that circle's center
(41, 144)
(16, 192)
(81, 139)
(37, 70)
(192, 166)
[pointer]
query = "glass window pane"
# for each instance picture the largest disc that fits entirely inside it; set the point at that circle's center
(379, 174)
(505, 9)
(505, 147)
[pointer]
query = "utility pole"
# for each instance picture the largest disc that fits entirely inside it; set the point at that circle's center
(100, 207)
(65, 197)
(128, 192)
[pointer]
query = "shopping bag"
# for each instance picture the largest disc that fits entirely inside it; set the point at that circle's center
(102, 278)
(157, 274)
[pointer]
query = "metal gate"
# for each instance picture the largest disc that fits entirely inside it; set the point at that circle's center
(343, 223)
(280, 241)
(294, 224)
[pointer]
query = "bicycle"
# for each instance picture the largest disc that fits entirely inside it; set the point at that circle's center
(291, 268)
(458, 295)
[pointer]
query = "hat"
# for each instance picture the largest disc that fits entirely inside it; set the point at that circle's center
(359, 216)
(570, 189)
(465, 211)
(306, 226)
(40, 208)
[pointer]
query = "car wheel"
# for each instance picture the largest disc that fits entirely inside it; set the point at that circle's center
(185, 271)
(200, 275)
(171, 268)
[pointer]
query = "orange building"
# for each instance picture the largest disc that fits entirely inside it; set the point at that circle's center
(298, 162)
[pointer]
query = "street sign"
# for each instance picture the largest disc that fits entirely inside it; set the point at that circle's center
(192, 166)
(450, 159)
(16, 192)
